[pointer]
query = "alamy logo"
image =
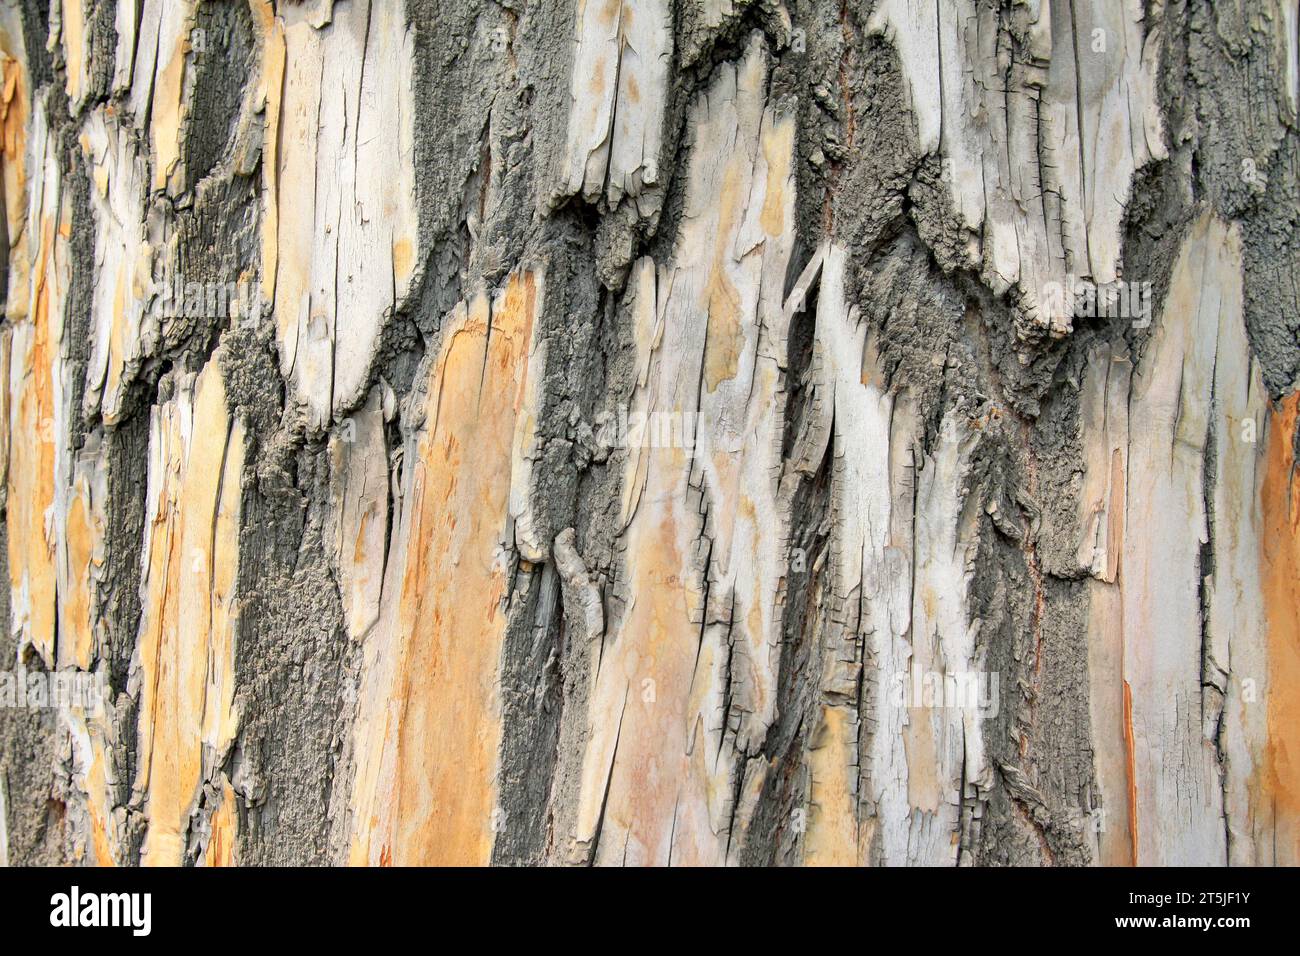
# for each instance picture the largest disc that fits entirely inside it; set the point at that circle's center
(176, 297)
(102, 909)
(647, 430)
(963, 690)
(1083, 299)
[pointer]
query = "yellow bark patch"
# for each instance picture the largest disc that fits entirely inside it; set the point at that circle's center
(832, 838)
(187, 633)
(722, 299)
(778, 153)
(167, 104)
(13, 129)
(74, 47)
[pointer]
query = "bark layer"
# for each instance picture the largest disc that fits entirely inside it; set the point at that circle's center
(633, 432)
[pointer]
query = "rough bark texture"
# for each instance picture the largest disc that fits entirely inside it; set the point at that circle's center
(651, 431)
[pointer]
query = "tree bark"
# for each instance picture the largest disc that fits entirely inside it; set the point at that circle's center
(640, 432)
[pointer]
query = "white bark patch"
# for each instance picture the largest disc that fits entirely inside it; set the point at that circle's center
(686, 683)
(1039, 155)
(183, 668)
(1234, 677)
(341, 182)
(91, 740)
(621, 59)
(1192, 393)
(123, 333)
(79, 518)
(901, 563)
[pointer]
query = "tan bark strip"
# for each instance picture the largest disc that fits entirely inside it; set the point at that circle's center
(91, 735)
(15, 114)
(1178, 735)
(81, 520)
(15, 107)
(1130, 754)
(6, 399)
(849, 397)
(125, 21)
(221, 846)
(183, 670)
(1102, 502)
(339, 183)
(428, 729)
(1288, 41)
(686, 681)
(269, 99)
(1178, 811)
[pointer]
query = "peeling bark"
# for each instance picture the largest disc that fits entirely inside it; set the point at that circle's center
(601, 432)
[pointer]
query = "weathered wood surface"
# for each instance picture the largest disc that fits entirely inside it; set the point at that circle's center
(622, 432)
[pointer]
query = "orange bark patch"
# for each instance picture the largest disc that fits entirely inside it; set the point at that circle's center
(1278, 782)
(220, 850)
(74, 46)
(13, 129)
(1131, 753)
(451, 624)
(187, 627)
(31, 465)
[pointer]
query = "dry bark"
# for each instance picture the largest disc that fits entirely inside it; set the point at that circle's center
(644, 432)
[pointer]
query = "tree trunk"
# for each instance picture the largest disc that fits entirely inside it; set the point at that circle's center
(649, 432)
